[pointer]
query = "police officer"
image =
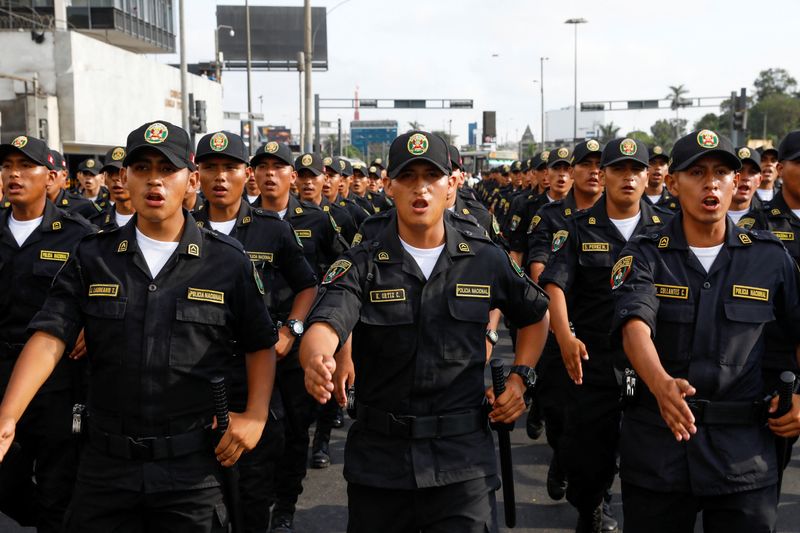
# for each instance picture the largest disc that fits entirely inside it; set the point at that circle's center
(222, 164)
(419, 457)
(575, 279)
(376, 194)
(340, 170)
(160, 321)
(322, 244)
(36, 239)
(770, 176)
(119, 210)
(91, 182)
(316, 193)
(59, 195)
(692, 301)
(656, 192)
(463, 202)
(745, 198)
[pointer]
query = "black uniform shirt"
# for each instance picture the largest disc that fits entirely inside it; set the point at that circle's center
(358, 213)
(26, 273)
(154, 344)
(342, 217)
(518, 231)
(666, 201)
(466, 205)
(381, 202)
(75, 203)
(550, 218)
(419, 348)
(707, 328)
(363, 201)
(581, 261)
(375, 224)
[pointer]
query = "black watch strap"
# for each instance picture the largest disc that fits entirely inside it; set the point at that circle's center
(527, 373)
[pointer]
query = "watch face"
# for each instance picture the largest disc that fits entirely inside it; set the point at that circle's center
(297, 328)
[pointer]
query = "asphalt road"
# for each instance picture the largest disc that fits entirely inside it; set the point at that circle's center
(323, 506)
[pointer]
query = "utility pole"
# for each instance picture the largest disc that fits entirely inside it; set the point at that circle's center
(300, 68)
(184, 82)
(317, 145)
(575, 22)
(249, 72)
(340, 138)
(541, 87)
(308, 147)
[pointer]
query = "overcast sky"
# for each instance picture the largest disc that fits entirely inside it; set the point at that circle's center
(447, 48)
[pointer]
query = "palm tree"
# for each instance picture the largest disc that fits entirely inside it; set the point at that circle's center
(414, 125)
(608, 131)
(675, 96)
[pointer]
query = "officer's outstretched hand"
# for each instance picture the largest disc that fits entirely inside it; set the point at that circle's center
(7, 430)
(671, 396)
(787, 425)
(244, 431)
(572, 352)
(510, 405)
(319, 377)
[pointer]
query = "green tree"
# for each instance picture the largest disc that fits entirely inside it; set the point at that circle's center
(642, 136)
(444, 135)
(782, 114)
(608, 131)
(351, 152)
(709, 121)
(774, 81)
(666, 132)
(675, 96)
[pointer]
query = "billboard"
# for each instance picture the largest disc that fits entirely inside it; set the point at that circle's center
(372, 137)
(276, 36)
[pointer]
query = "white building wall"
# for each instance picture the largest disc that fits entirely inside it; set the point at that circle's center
(559, 123)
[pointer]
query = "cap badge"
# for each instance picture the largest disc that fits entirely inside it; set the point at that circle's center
(628, 147)
(518, 165)
(90, 163)
(378, 161)
(271, 147)
(657, 150)
(545, 156)
(327, 161)
(19, 142)
(707, 139)
(744, 153)
(593, 145)
(156, 133)
(342, 165)
(118, 154)
(562, 153)
(306, 160)
(219, 142)
(417, 144)
(373, 170)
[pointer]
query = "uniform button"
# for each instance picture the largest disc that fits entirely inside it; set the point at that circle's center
(707, 285)
(654, 235)
(623, 312)
(152, 287)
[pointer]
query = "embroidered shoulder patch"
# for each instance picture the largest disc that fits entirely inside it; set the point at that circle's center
(621, 271)
(559, 238)
(336, 271)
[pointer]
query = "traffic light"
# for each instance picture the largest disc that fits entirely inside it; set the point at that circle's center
(740, 111)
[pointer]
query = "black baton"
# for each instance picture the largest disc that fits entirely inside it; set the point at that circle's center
(785, 391)
(504, 445)
(230, 475)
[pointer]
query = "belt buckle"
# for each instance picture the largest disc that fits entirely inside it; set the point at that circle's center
(698, 408)
(142, 448)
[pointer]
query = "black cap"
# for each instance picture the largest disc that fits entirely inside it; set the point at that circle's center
(378, 162)
(418, 146)
(657, 152)
(358, 166)
(222, 143)
(273, 149)
(526, 165)
(113, 158)
(310, 161)
(374, 170)
(516, 166)
(789, 149)
(455, 157)
(170, 140)
(748, 154)
(342, 166)
(697, 144)
(91, 165)
(58, 160)
(559, 155)
(34, 149)
(537, 162)
(625, 149)
(764, 149)
(585, 148)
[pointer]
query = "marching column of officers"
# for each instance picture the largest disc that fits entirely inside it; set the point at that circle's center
(672, 278)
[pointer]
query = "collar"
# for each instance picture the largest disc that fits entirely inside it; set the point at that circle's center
(672, 236)
(387, 247)
(52, 219)
(777, 207)
(190, 244)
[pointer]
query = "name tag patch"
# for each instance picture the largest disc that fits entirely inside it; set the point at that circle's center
(104, 289)
(206, 295)
(260, 256)
(751, 293)
(672, 291)
(594, 247)
(303, 233)
(49, 255)
(387, 295)
(473, 291)
(784, 235)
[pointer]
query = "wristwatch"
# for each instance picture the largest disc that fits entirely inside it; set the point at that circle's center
(492, 336)
(296, 327)
(528, 375)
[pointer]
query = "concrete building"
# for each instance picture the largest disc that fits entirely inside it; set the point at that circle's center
(559, 125)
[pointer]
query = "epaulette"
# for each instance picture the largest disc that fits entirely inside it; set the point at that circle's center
(479, 235)
(266, 213)
(77, 219)
(227, 239)
(763, 235)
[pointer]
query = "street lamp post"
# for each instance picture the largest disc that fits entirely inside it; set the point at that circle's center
(250, 140)
(541, 87)
(575, 22)
(217, 53)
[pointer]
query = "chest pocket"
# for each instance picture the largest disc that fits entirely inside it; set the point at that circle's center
(390, 331)
(748, 320)
(466, 336)
(47, 269)
(196, 334)
(674, 330)
(595, 259)
(107, 327)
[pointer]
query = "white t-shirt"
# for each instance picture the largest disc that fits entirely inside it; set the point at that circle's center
(706, 255)
(223, 227)
(282, 213)
(654, 198)
(548, 198)
(23, 229)
(156, 253)
(92, 198)
(626, 225)
(737, 215)
(796, 212)
(122, 219)
(425, 257)
(765, 194)
(251, 199)
(452, 209)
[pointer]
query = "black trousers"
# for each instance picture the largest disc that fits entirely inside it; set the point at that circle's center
(300, 409)
(551, 393)
(44, 450)
(257, 476)
(588, 446)
(326, 414)
(648, 511)
(466, 507)
(100, 509)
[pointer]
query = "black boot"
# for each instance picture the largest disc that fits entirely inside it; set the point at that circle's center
(556, 480)
(282, 522)
(320, 454)
(590, 521)
(608, 522)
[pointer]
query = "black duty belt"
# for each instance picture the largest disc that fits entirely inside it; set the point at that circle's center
(150, 448)
(728, 413)
(421, 427)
